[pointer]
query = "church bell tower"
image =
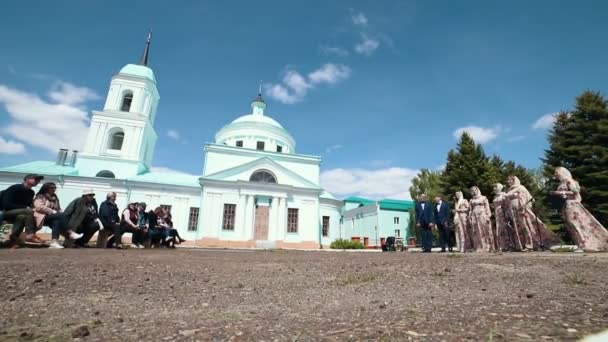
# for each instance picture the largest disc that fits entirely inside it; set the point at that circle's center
(121, 138)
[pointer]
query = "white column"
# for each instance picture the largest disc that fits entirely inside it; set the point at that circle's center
(247, 217)
(283, 219)
(240, 216)
(272, 221)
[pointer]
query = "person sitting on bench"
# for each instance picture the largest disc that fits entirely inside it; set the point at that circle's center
(47, 212)
(108, 214)
(16, 204)
(83, 217)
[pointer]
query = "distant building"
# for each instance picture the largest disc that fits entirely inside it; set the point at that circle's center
(254, 190)
(372, 222)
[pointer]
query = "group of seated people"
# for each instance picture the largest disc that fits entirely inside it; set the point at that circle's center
(81, 219)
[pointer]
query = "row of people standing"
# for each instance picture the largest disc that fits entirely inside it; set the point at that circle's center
(82, 218)
(429, 217)
(517, 228)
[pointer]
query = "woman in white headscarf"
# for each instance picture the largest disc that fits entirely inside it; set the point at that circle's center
(481, 224)
(504, 236)
(586, 231)
(461, 221)
(530, 231)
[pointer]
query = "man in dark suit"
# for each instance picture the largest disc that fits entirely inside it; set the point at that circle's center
(442, 215)
(425, 220)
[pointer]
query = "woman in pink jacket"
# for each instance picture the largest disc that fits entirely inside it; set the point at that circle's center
(47, 212)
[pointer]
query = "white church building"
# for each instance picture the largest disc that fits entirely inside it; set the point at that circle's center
(254, 189)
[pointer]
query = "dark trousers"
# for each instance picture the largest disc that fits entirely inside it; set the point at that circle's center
(58, 224)
(427, 237)
(87, 229)
(138, 237)
(116, 234)
(20, 218)
(444, 236)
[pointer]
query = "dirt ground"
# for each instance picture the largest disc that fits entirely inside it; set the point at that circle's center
(188, 294)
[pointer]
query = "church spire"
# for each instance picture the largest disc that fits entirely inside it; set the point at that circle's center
(144, 57)
(259, 98)
(258, 104)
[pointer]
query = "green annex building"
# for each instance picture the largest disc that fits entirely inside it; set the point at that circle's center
(371, 222)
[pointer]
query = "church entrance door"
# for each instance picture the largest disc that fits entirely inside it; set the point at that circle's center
(261, 222)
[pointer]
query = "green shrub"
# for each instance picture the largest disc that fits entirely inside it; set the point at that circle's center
(346, 244)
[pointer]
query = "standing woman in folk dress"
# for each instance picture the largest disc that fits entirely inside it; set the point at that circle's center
(504, 231)
(586, 231)
(481, 223)
(461, 221)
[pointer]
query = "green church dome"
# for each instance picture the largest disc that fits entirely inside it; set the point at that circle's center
(138, 71)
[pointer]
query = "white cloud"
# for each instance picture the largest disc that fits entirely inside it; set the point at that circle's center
(359, 19)
(392, 182)
(295, 86)
(282, 94)
(163, 169)
(333, 148)
(173, 134)
(367, 46)
(60, 123)
(11, 147)
(329, 73)
(67, 93)
(334, 50)
(545, 122)
(481, 135)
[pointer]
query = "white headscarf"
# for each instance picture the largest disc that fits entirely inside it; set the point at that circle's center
(563, 174)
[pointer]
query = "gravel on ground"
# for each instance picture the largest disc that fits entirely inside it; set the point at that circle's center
(193, 294)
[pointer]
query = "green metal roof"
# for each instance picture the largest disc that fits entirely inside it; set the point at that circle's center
(361, 200)
(327, 195)
(138, 70)
(391, 204)
(42, 167)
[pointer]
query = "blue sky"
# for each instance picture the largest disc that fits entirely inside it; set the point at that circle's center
(379, 89)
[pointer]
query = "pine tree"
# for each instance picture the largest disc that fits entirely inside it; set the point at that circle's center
(426, 181)
(467, 166)
(579, 142)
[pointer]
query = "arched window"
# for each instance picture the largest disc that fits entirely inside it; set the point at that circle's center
(105, 174)
(263, 176)
(116, 140)
(126, 102)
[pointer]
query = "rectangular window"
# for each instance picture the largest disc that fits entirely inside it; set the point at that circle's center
(325, 226)
(396, 220)
(166, 207)
(279, 148)
(229, 210)
(292, 220)
(260, 146)
(193, 219)
(239, 143)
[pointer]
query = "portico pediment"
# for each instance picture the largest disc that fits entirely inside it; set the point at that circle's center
(244, 172)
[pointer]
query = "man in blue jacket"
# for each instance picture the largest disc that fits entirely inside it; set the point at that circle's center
(442, 214)
(425, 220)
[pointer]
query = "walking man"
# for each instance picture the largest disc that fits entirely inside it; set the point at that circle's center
(425, 220)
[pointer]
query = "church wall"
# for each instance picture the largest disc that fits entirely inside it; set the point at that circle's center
(334, 223)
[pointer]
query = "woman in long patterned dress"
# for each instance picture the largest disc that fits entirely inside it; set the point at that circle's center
(461, 221)
(586, 231)
(481, 224)
(504, 239)
(529, 229)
